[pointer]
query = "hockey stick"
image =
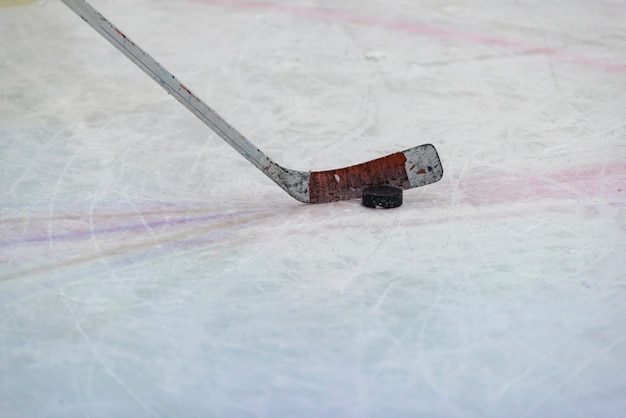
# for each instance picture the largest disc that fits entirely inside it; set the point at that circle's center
(414, 167)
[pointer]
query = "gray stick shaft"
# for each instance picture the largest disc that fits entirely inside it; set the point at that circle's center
(166, 80)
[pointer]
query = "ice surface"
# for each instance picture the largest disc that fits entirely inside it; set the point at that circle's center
(146, 269)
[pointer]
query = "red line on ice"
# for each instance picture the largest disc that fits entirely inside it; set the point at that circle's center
(586, 183)
(422, 29)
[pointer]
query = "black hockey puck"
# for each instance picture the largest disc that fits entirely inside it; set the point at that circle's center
(386, 197)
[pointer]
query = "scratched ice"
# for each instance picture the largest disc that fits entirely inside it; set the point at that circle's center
(146, 269)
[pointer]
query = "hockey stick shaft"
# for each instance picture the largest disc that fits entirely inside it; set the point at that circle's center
(167, 80)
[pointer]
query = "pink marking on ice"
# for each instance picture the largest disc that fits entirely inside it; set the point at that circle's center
(423, 29)
(586, 183)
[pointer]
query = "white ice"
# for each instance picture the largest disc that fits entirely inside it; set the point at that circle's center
(147, 269)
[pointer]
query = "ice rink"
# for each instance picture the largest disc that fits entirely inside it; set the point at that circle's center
(148, 270)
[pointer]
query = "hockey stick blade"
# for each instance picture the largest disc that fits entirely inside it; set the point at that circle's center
(411, 168)
(414, 167)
